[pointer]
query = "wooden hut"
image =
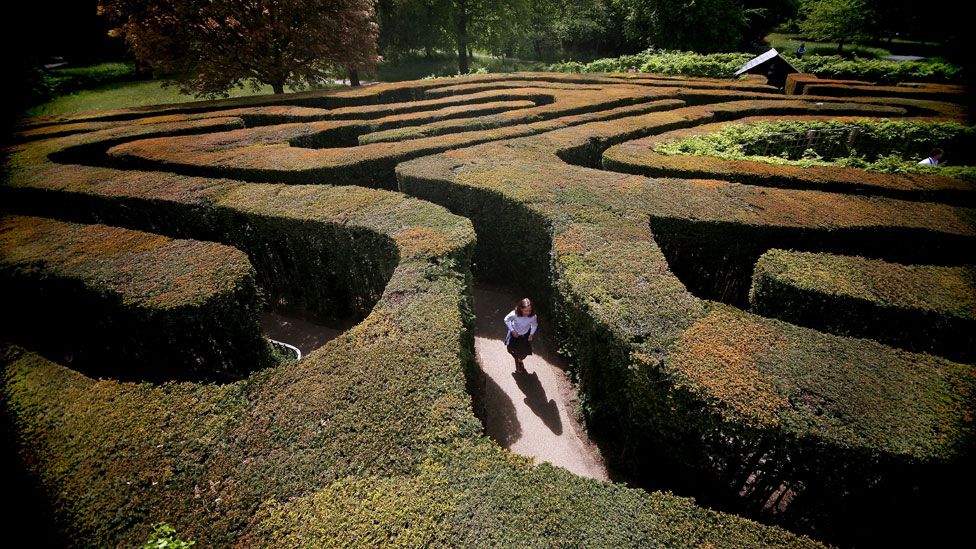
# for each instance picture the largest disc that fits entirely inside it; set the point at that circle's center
(772, 65)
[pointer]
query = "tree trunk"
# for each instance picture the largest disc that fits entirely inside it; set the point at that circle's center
(278, 87)
(354, 77)
(462, 36)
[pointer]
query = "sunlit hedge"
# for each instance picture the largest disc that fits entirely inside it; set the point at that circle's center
(752, 408)
(130, 304)
(724, 65)
(369, 440)
(737, 151)
(924, 308)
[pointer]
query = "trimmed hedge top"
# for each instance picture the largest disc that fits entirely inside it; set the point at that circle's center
(714, 151)
(713, 388)
(605, 259)
(372, 436)
(923, 308)
(129, 304)
(142, 269)
(948, 290)
(765, 372)
(878, 145)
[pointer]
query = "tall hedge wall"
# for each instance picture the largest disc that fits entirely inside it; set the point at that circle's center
(784, 422)
(129, 304)
(369, 440)
(640, 157)
(924, 308)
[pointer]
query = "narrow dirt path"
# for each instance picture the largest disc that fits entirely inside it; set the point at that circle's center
(292, 328)
(533, 413)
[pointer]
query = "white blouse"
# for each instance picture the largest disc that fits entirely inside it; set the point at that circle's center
(521, 324)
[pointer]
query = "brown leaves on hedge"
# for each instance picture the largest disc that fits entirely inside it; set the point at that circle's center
(717, 358)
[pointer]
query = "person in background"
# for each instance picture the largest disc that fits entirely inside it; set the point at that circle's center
(522, 325)
(801, 50)
(934, 157)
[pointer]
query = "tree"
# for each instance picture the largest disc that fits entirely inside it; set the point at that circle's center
(838, 20)
(215, 45)
(763, 16)
(699, 25)
(407, 26)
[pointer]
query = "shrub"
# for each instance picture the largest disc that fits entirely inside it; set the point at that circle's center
(130, 304)
(725, 398)
(883, 146)
(372, 436)
(724, 65)
(164, 537)
(924, 308)
(900, 179)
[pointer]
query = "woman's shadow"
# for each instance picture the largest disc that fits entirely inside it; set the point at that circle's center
(535, 399)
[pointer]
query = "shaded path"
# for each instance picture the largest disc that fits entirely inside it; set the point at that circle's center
(292, 328)
(533, 413)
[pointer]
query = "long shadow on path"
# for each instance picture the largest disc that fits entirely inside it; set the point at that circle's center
(536, 400)
(530, 413)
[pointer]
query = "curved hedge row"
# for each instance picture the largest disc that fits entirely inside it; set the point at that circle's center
(130, 304)
(924, 308)
(365, 101)
(641, 157)
(370, 439)
(264, 154)
(783, 420)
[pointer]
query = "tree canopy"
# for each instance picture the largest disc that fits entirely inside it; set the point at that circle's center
(213, 46)
(840, 21)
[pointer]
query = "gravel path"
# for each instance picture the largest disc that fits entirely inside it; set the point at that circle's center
(533, 413)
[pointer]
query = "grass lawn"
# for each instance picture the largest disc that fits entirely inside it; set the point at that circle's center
(125, 94)
(787, 43)
(121, 95)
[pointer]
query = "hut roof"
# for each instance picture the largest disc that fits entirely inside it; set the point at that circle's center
(756, 63)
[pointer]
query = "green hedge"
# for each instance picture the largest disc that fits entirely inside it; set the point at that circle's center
(883, 162)
(263, 155)
(130, 304)
(922, 308)
(369, 440)
(724, 65)
(712, 242)
(439, 484)
(876, 139)
(717, 397)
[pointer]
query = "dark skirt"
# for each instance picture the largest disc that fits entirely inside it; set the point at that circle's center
(519, 347)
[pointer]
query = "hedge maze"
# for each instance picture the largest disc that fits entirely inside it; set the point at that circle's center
(791, 344)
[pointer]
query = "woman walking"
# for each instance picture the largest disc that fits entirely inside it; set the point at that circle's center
(522, 325)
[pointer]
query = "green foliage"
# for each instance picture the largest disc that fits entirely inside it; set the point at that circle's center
(428, 29)
(372, 437)
(681, 24)
(838, 20)
(888, 146)
(131, 304)
(65, 80)
(663, 62)
(668, 378)
(879, 70)
(724, 65)
(923, 308)
(164, 537)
